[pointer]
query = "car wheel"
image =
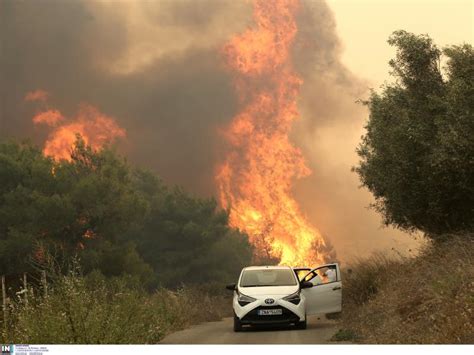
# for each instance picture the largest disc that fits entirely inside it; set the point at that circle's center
(237, 324)
(301, 325)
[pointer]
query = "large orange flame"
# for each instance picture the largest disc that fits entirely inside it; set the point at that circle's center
(95, 127)
(255, 180)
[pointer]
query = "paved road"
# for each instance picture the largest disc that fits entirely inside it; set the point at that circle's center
(319, 331)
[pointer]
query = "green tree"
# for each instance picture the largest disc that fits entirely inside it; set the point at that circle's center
(78, 207)
(187, 239)
(23, 167)
(417, 156)
(114, 218)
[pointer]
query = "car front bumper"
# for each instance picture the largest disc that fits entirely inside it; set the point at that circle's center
(291, 313)
(287, 317)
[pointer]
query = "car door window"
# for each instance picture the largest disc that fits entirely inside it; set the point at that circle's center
(322, 276)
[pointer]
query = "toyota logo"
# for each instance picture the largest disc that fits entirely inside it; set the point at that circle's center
(269, 301)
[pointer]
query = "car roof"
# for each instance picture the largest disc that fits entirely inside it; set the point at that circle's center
(265, 267)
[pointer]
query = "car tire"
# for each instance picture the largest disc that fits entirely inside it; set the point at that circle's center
(237, 324)
(301, 325)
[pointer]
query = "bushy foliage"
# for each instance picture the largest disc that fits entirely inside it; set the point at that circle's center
(187, 239)
(99, 310)
(417, 154)
(363, 281)
(115, 218)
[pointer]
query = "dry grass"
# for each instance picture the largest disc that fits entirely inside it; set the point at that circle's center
(427, 299)
(95, 310)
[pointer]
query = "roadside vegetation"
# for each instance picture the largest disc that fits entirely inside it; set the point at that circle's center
(426, 299)
(93, 309)
(417, 158)
(127, 258)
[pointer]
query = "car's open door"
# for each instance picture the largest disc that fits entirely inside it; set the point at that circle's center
(326, 294)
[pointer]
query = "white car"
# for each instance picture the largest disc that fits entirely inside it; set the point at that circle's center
(283, 295)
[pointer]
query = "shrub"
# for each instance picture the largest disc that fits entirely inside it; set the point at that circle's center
(365, 277)
(95, 310)
(427, 299)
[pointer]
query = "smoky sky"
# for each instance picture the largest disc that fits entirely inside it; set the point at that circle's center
(170, 109)
(174, 92)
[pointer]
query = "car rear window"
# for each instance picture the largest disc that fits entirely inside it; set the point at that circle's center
(268, 277)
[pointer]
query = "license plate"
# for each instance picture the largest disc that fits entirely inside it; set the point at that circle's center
(270, 312)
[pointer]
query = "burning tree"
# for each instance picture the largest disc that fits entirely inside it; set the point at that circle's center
(94, 127)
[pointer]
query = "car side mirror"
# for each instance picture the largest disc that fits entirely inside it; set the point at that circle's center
(231, 287)
(306, 284)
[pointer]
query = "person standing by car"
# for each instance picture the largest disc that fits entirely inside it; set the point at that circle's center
(331, 275)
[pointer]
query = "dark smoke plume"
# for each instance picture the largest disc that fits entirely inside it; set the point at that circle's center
(157, 67)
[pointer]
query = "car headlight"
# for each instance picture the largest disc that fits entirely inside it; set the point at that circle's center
(245, 300)
(293, 298)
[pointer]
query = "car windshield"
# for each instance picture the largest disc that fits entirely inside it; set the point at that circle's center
(268, 277)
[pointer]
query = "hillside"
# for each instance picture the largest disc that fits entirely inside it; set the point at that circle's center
(427, 299)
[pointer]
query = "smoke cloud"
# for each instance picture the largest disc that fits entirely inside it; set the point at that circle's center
(157, 67)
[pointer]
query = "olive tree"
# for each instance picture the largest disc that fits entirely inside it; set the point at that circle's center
(417, 155)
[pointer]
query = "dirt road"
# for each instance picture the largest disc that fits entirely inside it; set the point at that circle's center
(319, 331)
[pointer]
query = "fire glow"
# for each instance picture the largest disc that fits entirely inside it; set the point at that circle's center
(255, 179)
(95, 127)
